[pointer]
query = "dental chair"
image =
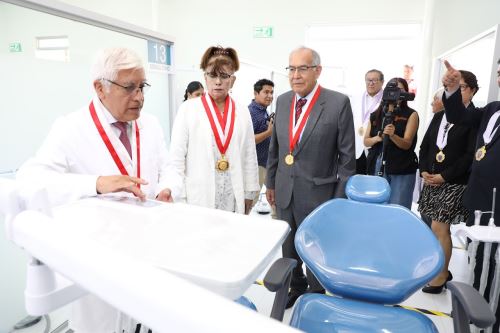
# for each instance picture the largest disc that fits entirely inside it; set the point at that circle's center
(371, 255)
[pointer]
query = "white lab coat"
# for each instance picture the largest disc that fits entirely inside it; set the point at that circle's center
(192, 155)
(68, 164)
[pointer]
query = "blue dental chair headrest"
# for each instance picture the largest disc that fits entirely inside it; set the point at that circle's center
(368, 189)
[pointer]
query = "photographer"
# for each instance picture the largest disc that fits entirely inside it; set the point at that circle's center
(392, 136)
(262, 123)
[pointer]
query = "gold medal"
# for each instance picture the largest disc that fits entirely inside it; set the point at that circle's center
(440, 156)
(289, 159)
(222, 164)
(361, 131)
(480, 153)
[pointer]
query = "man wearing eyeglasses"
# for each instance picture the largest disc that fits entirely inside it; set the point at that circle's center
(370, 100)
(107, 146)
(311, 154)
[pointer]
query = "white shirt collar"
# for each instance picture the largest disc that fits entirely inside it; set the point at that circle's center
(105, 112)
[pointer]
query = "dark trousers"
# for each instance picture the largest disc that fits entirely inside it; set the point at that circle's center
(361, 165)
(478, 269)
(294, 216)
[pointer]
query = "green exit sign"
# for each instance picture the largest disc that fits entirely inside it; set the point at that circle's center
(15, 47)
(262, 32)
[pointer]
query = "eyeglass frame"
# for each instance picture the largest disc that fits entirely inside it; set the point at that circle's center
(301, 69)
(374, 81)
(221, 75)
(463, 86)
(144, 87)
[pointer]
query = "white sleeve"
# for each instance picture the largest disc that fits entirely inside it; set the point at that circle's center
(49, 169)
(176, 161)
(250, 166)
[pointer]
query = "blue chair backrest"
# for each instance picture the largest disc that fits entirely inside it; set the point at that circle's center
(373, 252)
(368, 189)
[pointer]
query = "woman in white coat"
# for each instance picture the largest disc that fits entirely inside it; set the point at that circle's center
(212, 146)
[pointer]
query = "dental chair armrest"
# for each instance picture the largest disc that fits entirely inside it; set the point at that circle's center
(277, 274)
(278, 280)
(469, 306)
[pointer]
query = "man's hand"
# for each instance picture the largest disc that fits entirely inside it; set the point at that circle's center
(451, 79)
(270, 127)
(165, 195)
(120, 183)
(270, 196)
(248, 206)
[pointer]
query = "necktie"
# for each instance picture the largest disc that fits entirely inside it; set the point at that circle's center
(298, 108)
(122, 126)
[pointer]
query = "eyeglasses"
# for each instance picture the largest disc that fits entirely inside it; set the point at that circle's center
(300, 69)
(143, 87)
(372, 81)
(463, 87)
(222, 76)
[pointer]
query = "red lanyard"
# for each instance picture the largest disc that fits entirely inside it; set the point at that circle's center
(222, 120)
(110, 147)
(292, 139)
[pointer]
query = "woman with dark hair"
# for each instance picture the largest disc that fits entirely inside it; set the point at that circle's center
(194, 89)
(399, 154)
(445, 156)
(212, 147)
(468, 88)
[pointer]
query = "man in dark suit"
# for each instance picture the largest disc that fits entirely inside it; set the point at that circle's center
(311, 154)
(485, 171)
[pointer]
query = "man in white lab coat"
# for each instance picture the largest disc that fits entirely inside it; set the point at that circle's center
(369, 102)
(107, 146)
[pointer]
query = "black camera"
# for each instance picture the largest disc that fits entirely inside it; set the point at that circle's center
(392, 93)
(270, 117)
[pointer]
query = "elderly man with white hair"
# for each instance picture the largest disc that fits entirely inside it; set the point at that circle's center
(107, 146)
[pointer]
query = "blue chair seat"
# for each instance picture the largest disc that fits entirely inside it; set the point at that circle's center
(328, 314)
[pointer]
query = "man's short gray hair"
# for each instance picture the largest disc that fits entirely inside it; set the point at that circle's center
(316, 58)
(439, 93)
(109, 62)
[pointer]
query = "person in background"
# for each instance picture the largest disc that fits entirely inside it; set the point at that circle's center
(468, 88)
(212, 145)
(445, 158)
(485, 170)
(408, 76)
(262, 123)
(311, 154)
(193, 90)
(374, 80)
(401, 160)
(96, 151)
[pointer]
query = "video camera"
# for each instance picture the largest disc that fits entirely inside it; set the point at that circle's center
(393, 94)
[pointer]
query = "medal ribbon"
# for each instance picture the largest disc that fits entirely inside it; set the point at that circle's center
(219, 123)
(294, 132)
(110, 147)
(444, 129)
(490, 130)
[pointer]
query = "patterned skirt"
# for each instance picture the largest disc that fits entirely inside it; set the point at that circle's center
(443, 203)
